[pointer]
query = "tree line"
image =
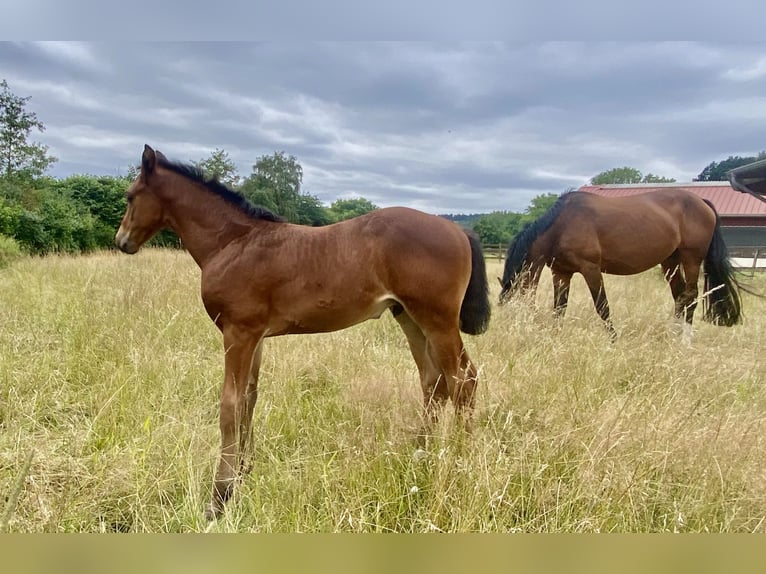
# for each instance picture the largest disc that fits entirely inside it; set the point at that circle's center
(40, 214)
(81, 213)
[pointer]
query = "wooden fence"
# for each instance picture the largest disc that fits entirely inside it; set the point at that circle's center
(495, 250)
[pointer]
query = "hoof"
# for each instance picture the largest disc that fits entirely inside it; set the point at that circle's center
(419, 455)
(212, 512)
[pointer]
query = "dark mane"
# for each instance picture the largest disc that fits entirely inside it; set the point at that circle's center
(214, 186)
(519, 248)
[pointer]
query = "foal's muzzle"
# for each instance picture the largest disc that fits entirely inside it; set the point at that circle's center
(123, 242)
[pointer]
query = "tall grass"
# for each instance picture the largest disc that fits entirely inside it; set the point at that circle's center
(110, 374)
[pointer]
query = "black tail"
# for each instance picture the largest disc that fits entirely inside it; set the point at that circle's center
(475, 310)
(724, 306)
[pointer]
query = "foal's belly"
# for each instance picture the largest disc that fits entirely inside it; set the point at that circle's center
(325, 315)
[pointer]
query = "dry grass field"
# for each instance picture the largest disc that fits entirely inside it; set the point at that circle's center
(110, 373)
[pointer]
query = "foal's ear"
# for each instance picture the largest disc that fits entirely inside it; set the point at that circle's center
(148, 160)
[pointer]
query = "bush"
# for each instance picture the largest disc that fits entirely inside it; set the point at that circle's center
(10, 250)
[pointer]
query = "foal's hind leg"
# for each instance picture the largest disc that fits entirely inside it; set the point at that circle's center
(447, 351)
(251, 397)
(595, 281)
(434, 386)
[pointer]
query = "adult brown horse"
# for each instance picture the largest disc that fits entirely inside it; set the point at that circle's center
(263, 277)
(590, 234)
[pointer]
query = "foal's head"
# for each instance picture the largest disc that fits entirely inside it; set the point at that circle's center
(144, 215)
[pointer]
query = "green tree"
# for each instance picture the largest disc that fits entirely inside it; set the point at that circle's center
(19, 156)
(503, 226)
(103, 197)
(311, 211)
(51, 221)
(497, 227)
(626, 174)
(716, 171)
(221, 167)
(10, 213)
(617, 175)
(275, 183)
(540, 204)
(651, 178)
(342, 209)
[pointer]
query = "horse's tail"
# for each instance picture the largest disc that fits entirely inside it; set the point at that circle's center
(475, 310)
(724, 306)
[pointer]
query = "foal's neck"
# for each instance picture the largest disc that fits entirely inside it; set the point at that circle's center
(204, 222)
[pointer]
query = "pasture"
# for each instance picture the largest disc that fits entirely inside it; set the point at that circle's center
(110, 375)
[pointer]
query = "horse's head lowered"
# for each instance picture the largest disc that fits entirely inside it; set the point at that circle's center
(144, 215)
(505, 290)
(520, 282)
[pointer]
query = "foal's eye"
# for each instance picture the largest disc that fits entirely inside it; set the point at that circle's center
(130, 199)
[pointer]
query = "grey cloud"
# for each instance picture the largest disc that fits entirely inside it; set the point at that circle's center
(458, 127)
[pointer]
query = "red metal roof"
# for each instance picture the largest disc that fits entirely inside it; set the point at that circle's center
(726, 200)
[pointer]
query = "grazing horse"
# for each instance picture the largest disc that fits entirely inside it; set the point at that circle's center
(590, 234)
(263, 277)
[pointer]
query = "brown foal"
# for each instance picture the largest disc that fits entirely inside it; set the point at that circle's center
(263, 277)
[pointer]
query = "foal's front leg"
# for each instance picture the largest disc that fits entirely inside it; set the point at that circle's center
(240, 345)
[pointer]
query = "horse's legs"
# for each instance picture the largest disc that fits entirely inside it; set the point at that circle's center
(671, 268)
(683, 286)
(434, 386)
(251, 396)
(240, 347)
(561, 283)
(595, 281)
(447, 351)
(690, 292)
(688, 298)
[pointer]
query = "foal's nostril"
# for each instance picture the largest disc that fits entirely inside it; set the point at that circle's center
(123, 243)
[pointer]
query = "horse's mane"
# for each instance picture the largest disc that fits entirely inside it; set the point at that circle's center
(214, 186)
(519, 248)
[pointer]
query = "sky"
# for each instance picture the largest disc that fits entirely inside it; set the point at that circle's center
(441, 126)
